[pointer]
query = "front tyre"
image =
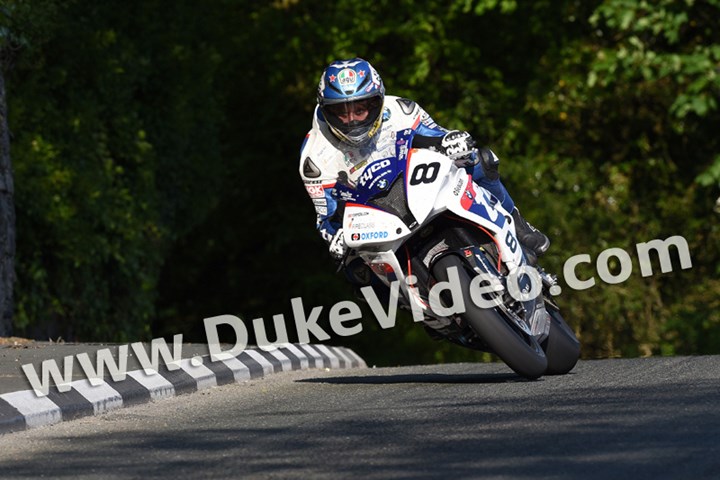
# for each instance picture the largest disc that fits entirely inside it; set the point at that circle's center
(562, 348)
(519, 351)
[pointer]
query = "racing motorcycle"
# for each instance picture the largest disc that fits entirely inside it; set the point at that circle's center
(418, 220)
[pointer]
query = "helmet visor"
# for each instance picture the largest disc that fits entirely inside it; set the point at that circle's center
(354, 119)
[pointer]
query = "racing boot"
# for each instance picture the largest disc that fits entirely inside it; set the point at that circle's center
(529, 236)
(490, 163)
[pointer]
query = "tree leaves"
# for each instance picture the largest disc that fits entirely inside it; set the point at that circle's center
(155, 152)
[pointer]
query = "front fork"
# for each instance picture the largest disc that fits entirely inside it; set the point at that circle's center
(527, 314)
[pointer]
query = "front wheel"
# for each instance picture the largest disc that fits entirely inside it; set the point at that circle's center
(519, 351)
(562, 348)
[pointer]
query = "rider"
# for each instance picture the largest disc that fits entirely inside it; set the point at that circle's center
(355, 123)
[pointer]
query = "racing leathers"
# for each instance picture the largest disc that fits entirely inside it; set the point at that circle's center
(325, 161)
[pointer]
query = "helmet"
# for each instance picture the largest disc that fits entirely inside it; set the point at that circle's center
(350, 97)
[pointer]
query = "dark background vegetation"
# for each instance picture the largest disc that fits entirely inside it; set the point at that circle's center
(155, 149)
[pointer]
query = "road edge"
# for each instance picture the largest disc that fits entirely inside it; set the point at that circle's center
(22, 410)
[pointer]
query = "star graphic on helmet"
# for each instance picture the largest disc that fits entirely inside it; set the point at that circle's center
(332, 78)
(361, 73)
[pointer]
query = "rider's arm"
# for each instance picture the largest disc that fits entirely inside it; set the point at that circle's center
(456, 144)
(428, 134)
(326, 207)
(428, 142)
(329, 219)
(320, 186)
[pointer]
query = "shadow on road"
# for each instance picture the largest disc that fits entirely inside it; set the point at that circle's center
(616, 420)
(420, 378)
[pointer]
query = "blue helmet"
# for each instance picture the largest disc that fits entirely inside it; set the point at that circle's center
(350, 96)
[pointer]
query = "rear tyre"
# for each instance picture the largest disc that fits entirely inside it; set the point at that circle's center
(519, 351)
(562, 348)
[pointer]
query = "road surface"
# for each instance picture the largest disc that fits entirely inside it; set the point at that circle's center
(648, 418)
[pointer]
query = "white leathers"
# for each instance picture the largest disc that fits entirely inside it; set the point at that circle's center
(325, 160)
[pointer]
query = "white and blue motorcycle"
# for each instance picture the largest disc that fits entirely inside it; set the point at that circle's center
(420, 222)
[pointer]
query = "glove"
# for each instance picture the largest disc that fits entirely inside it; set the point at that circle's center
(460, 148)
(337, 245)
(490, 163)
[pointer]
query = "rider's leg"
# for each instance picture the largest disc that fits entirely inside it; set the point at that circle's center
(485, 173)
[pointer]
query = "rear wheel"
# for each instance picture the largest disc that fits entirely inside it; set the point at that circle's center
(518, 350)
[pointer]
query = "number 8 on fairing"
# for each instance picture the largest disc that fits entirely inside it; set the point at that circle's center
(511, 242)
(425, 173)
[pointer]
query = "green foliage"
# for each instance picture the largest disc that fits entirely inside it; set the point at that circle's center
(102, 189)
(155, 153)
(630, 111)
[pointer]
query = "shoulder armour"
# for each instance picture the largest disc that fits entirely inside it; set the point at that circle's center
(407, 106)
(310, 170)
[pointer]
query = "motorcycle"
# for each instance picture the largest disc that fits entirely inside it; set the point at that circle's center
(419, 221)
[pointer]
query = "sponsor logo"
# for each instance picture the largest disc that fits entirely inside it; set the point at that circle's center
(347, 196)
(379, 178)
(466, 200)
(363, 225)
(315, 191)
(355, 237)
(321, 210)
(402, 152)
(374, 235)
(386, 113)
(358, 214)
(458, 186)
(382, 184)
(371, 169)
(320, 201)
(347, 77)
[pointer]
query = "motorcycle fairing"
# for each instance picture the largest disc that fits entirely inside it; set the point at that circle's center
(431, 188)
(471, 202)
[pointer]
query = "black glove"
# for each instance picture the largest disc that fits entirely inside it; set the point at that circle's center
(337, 246)
(490, 163)
(459, 147)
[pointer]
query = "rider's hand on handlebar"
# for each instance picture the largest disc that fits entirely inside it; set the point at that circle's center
(460, 147)
(337, 245)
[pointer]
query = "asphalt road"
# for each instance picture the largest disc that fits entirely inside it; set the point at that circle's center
(644, 418)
